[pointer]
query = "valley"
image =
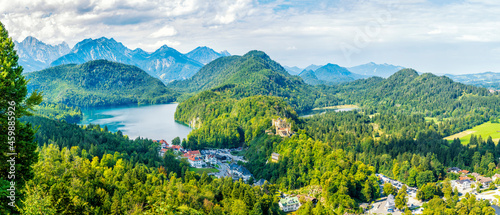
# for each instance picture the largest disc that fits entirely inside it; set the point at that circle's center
(107, 138)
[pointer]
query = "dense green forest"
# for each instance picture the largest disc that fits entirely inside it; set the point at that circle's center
(92, 171)
(59, 111)
(99, 83)
(224, 122)
(406, 92)
(251, 74)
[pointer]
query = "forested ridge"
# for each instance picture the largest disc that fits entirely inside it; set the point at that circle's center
(254, 73)
(99, 83)
(224, 122)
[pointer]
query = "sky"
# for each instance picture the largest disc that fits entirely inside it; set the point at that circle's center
(438, 36)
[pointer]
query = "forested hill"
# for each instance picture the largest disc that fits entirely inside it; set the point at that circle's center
(406, 90)
(223, 122)
(251, 74)
(99, 83)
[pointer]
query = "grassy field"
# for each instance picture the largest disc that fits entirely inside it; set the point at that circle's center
(434, 119)
(201, 170)
(484, 130)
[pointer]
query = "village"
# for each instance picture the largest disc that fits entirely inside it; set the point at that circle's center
(473, 183)
(222, 163)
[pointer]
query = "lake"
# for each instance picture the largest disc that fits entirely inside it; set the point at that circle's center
(151, 121)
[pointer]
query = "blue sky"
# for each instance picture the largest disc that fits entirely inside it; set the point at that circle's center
(428, 35)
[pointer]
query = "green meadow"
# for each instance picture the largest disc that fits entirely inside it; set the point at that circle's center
(484, 130)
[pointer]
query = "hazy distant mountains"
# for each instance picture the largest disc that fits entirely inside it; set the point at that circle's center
(372, 69)
(365, 70)
(490, 80)
(206, 55)
(35, 55)
(328, 74)
(166, 63)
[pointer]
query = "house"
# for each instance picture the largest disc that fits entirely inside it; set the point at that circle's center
(195, 153)
(283, 128)
(485, 181)
(463, 171)
(475, 174)
(259, 182)
(196, 162)
(464, 178)
(289, 204)
(164, 145)
(495, 177)
(211, 159)
(175, 147)
(162, 152)
(463, 184)
(454, 170)
(275, 157)
(236, 172)
(390, 203)
(163, 141)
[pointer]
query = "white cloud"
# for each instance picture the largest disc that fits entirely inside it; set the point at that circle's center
(166, 31)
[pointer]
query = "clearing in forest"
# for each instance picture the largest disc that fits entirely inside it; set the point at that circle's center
(484, 130)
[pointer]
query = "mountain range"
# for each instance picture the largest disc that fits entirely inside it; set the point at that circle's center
(35, 55)
(372, 69)
(490, 80)
(328, 74)
(165, 63)
(168, 64)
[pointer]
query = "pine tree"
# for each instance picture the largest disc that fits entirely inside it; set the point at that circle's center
(13, 105)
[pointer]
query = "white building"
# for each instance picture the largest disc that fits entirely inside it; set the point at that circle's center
(463, 184)
(390, 203)
(289, 204)
(211, 159)
(196, 162)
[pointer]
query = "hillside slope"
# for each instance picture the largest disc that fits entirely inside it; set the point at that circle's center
(407, 91)
(251, 74)
(99, 83)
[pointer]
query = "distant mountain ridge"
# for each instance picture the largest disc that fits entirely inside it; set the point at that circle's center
(372, 69)
(166, 63)
(205, 55)
(329, 74)
(293, 70)
(35, 55)
(490, 80)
